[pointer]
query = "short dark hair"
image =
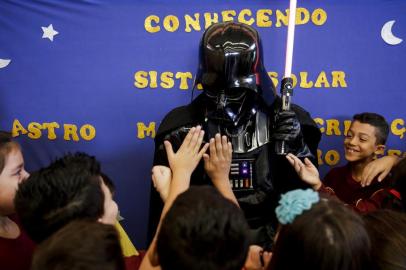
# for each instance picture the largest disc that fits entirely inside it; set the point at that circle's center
(68, 189)
(386, 230)
(328, 236)
(203, 230)
(377, 121)
(80, 245)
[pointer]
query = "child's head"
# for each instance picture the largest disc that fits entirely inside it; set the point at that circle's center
(80, 245)
(12, 172)
(203, 230)
(387, 230)
(318, 234)
(366, 137)
(68, 189)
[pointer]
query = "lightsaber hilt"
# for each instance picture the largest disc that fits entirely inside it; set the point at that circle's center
(286, 94)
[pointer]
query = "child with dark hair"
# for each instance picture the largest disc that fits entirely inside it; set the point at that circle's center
(319, 234)
(71, 188)
(15, 247)
(203, 230)
(386, 229)
(80, 245)
(68, 189)
(364, 141)
(211, 228)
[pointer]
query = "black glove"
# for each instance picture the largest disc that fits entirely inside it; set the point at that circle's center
(286, 128)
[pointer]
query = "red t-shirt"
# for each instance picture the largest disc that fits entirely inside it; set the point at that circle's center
(16, 254)
(347, 189)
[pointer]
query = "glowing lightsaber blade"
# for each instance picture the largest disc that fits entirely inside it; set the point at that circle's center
(287, 82)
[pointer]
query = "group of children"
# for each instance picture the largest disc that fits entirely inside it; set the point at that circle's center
(66, 212)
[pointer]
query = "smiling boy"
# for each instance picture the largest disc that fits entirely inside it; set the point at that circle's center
(364, 141)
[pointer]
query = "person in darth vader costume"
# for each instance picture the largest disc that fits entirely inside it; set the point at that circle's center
(239, 100)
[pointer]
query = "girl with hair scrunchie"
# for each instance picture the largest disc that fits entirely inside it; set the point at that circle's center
(318, 234)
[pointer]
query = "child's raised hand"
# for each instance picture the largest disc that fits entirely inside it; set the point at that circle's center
(186, 159)
(218, 163)
(161, 179)
(306, 171)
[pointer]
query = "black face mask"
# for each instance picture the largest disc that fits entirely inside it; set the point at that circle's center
(231, 110)
(231, 64)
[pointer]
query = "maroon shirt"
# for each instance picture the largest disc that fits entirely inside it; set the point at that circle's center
(347, 189)
(16, 254)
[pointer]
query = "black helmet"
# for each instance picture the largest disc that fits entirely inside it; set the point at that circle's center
(231, 62)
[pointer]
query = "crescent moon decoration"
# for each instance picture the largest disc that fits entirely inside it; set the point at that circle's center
(387, 34)
(4, 62)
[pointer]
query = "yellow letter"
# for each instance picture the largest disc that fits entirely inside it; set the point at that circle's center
(153, 75)
(228, 15)
(263, 19)
(392, 152)
(319, 16)
(87, 132)
(148, 24)
(347, 124)
(280, 17)
(194, 23)
(333, 125)
(141, 79)
(320, 122)
(332, 157)
(17, 128)
(338, 78)
(70, 130)
(294, 79)
(243, 13)
(142, 129)
(51, 129)
(183, 79)
(302, 16)
(398, 131)
(34, 129)
(322, 78)
(303, 80)
(167, 80)
(208, 20)
(274, 77)
(171, 23)
(320, 157)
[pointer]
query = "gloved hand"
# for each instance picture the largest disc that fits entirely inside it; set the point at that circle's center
(286, 127)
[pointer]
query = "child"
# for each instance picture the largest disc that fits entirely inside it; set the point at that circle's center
(197, 207)
(15, 247)
(80, 245)
(386, 229)
(318, 234)
(364, 141)
(70, 188)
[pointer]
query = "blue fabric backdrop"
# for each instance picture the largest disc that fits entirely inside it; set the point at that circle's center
(115, 68)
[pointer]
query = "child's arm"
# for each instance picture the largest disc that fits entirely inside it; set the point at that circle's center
(306, 171)
(182, 164)
(379, 167)
(217, 165)
(161, 179)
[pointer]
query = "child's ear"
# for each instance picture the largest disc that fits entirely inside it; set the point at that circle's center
(380, 149)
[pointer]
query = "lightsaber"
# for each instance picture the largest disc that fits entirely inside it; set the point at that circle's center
(287, 82)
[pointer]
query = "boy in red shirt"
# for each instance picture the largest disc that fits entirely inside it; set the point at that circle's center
(365, 139)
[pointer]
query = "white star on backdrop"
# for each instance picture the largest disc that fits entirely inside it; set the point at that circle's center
(49, 32)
